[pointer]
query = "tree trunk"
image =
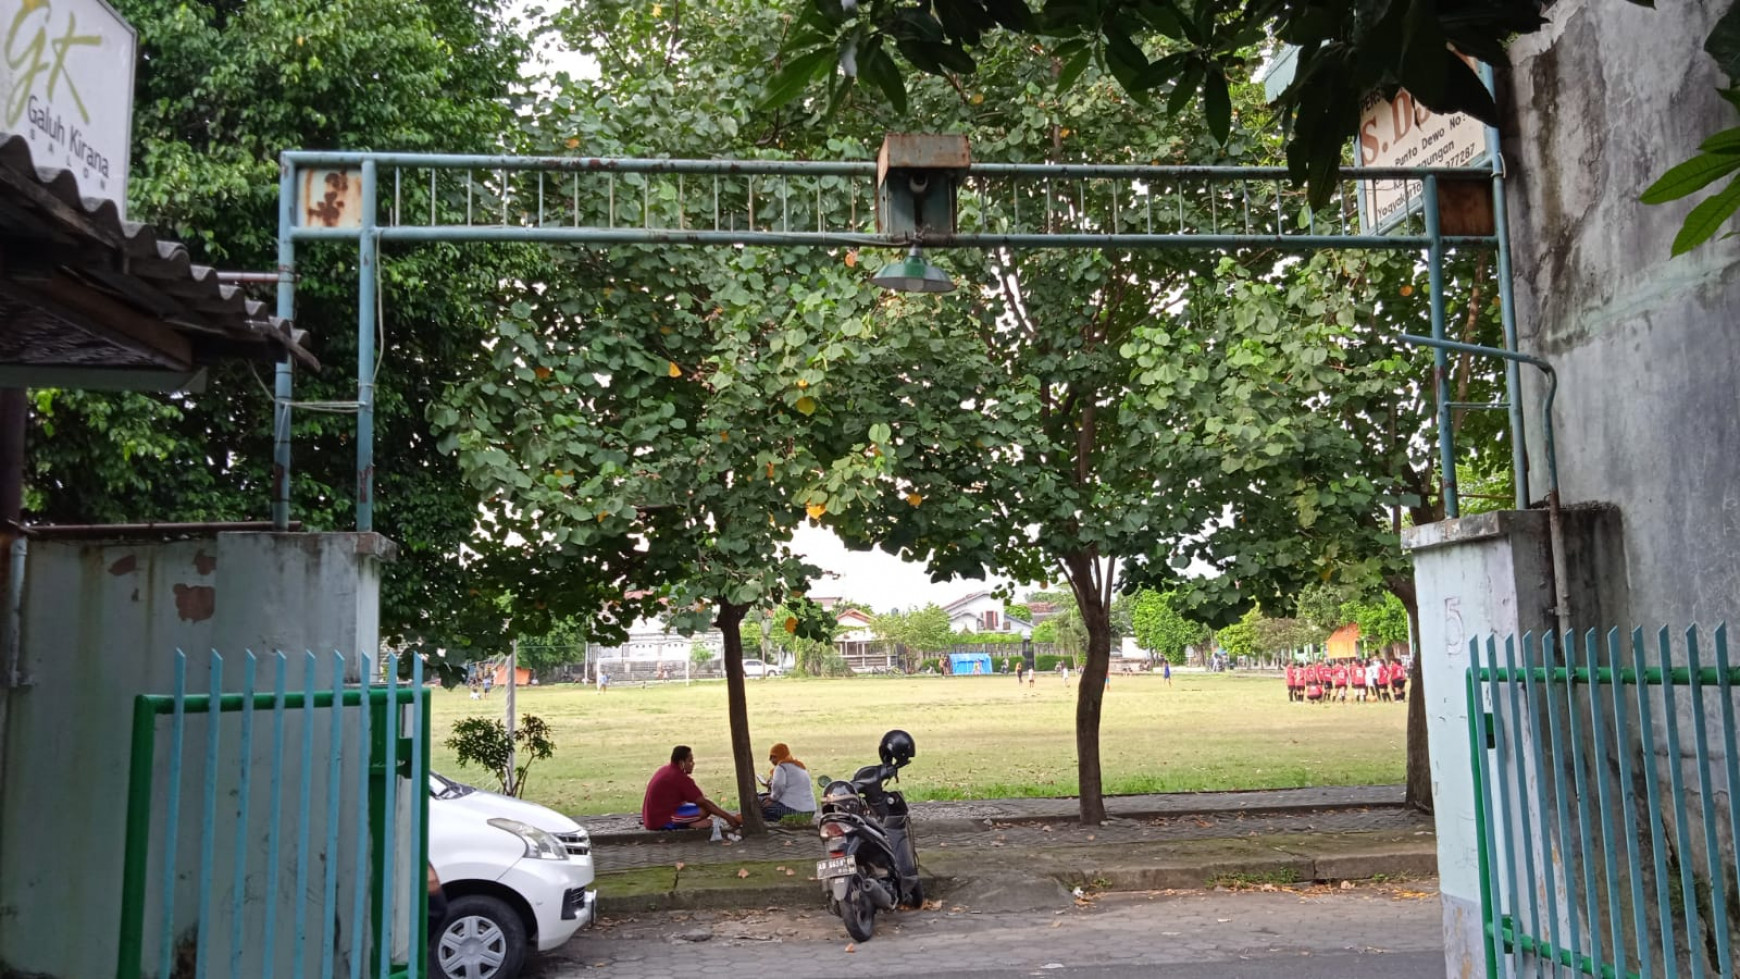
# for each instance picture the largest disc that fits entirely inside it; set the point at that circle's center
(1096, 616)
(730, 623)
(1419, 777)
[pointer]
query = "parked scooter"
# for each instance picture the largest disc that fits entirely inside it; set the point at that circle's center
(871, 863)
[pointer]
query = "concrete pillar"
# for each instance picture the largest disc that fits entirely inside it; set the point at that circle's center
(1488, 574)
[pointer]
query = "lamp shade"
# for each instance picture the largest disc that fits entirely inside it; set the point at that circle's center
(913, 274)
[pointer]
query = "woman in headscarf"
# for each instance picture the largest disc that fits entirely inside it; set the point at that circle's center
(788, 786)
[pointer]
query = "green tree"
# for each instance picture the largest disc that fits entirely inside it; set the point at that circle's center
(665, 418)
(925, 629)
(700, 654)
(1318, 605)
(1284, 634)
(564, 643)
(220, 90)
(1160, 628)
(1382, 619)
(1240, 638)
(1121, 408)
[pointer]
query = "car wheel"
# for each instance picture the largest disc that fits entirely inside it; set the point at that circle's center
(483, 938)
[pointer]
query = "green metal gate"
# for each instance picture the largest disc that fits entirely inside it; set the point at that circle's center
(306, 853)
(1607, 841)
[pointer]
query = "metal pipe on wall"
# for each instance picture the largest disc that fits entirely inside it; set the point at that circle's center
(1519, 454)
(283, 386)
(368, 261)
(1440, 359)
(1555, 520)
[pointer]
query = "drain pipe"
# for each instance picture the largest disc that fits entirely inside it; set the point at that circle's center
(1555, 519)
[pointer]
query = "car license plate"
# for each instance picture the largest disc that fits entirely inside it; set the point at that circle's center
(833, 867)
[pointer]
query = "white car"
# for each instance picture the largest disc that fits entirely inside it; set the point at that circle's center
(517, 877)
(759, 668)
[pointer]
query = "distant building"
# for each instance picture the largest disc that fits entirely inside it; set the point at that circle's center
(854, 626)
(983, 612)
(651, 641)
(1343, 643)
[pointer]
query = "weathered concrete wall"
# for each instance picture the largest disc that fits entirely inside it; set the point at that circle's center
(1648, 412)
(101, 624)
(1648, 415)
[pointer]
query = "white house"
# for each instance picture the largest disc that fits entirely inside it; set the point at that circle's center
(650, 641)
(854, 627)
(983, 612)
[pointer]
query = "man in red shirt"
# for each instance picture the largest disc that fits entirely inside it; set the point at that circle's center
(674, 801)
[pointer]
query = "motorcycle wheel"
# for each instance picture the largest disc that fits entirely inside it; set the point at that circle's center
(915, 896)
(858, 913)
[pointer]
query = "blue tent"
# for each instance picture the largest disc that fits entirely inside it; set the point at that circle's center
(966, 664)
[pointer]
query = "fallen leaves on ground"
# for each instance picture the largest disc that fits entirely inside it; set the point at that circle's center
(933, 905)
(850, 947)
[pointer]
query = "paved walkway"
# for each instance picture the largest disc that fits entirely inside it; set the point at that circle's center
(986, 833)
(1127, 806)
(1368, 932)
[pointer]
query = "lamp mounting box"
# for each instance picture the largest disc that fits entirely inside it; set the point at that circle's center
(917, 178)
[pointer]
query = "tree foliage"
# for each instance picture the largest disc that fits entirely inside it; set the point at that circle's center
(663, 419)
(1176, 53)
(1382, 619)
(926, 629)
(221, 89)
(1240, 638)
(1160, 628)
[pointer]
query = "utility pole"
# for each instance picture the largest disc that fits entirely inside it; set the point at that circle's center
(512, 676)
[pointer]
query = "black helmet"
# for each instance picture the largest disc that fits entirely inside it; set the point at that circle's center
(898, 748)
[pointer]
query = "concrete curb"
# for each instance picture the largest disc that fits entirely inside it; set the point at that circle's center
(1037, 877)
(959, 825)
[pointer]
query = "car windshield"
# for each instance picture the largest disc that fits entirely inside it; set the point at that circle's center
(442, 787)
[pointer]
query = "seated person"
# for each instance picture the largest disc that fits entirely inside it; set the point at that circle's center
(788, 787)
(674, 801)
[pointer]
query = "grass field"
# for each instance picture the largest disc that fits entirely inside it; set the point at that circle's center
(978, 737)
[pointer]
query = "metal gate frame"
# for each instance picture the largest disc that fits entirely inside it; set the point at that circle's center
(392, 755)
(336, 196)
(1595, 850)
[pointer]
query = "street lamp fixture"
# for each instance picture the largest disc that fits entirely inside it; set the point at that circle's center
(913, 274)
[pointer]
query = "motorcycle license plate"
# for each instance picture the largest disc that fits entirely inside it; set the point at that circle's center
(833, 867)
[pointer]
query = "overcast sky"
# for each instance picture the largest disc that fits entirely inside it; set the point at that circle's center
(878, 579)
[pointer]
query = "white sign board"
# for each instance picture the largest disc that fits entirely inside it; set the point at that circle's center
(1400, 132)
(66, 84)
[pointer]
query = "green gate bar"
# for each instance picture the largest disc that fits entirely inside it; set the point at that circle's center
(1591, 932)
(390, 755)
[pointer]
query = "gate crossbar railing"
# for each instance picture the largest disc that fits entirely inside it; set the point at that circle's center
(1591, 859)
(387, 759)
(603, 200)
(376, 197)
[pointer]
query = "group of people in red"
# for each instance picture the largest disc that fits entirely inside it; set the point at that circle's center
(1330, 681)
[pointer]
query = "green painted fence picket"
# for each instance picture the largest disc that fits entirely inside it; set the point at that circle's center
(263, 934)
(1607, 839)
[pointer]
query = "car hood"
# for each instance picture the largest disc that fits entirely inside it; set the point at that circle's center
(491, 805)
